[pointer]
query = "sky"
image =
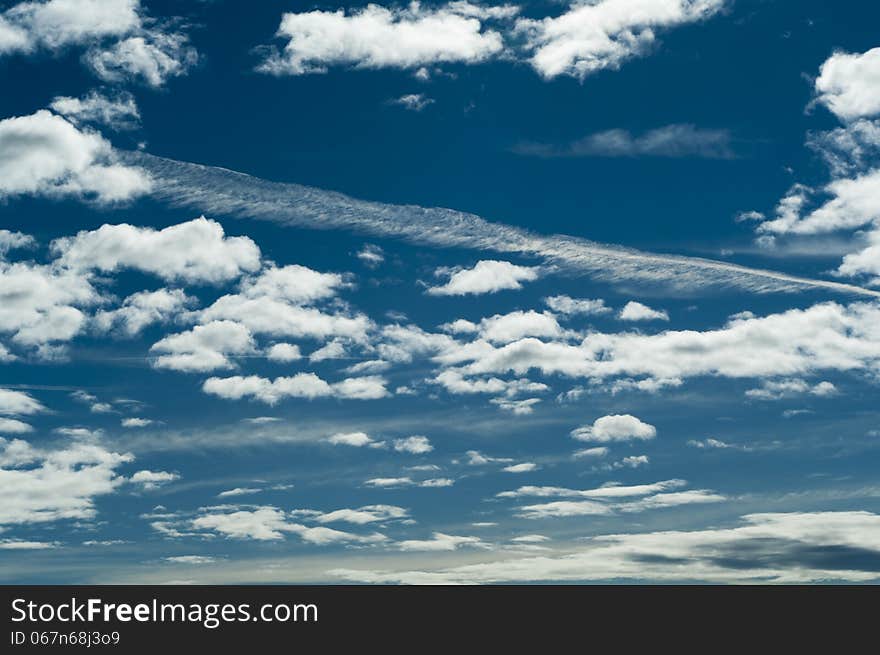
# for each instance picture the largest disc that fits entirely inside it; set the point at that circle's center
(444, 293)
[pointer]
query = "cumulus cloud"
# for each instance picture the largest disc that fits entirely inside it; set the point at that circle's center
(371, 255)
(204, 347)
(135, 422)
(54, 24)
(270, 524)
(44, 154)
(672, 141)
(520, 407)
(278, 301)
(852, 204)
(389, 482)
(787, 388)
(356, 439)
(119, 112)
(825, 336)
(603, 35)
(487, 276)
(616, 427)
(415, 445)
(636, 311)
(149, 480)
(412, 101)
(523, 467)
(609, 499)
(865, 262)
(284, 352)
(301, 385)
(504, 328)
(797, 547)
(441, 542)
(849, 84)
(124, 43)
(14, 426)
(196, 251)
(363, 515)
(573, 306)
(380, 37)
(19, 403)
(142, 309)
(151, 57)
(49, 485)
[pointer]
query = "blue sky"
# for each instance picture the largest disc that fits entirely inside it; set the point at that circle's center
(438, 292)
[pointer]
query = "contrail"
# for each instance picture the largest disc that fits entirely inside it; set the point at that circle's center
(219, 191)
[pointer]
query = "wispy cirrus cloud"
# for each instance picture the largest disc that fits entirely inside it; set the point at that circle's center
(220, 192)
(671, 141)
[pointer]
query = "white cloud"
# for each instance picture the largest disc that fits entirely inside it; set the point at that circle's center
(825, 336)
(849, 84)
(364, 515)
(123, 42)
(19, 403)
(681, 140)
(17, 544)
(284, 352)
(41, 304)
(11, 240)
(135, 422)
(504, 328)
(571, 306)
(151, 57)
(238, 491)
(636, 311)
(388, 482)
(57, 23)
(379, 37)
(333, 350)
(600, 451)
(153, 479)
(43, 154)
(616, 427)
(853, 204)
(524, 467)
(356, 439)
(412, 101)
(415, 445)
(865, 261)
(516, 407)
(276, 302)
(456, 383)
(609, 499)
(48, 485)
(204, 347)
(119, 112)
(301, 385)
(604, 34)
(293, 283)
(487, 276)
(441, 542)
(787, 388)
(270, 524)
(609, 491)
(142, 309)
(476, 458)
(14, 426)
(803, 547)
(190, 559)
(437, 482)
(197, 251)
(371, 255)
